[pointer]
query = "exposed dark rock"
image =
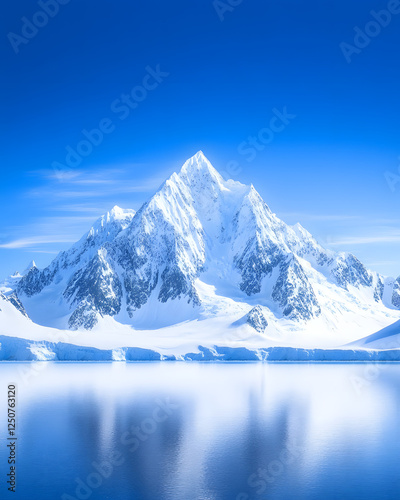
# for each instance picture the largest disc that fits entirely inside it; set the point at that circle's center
(256, 319)
(396, 293)
(294, 293)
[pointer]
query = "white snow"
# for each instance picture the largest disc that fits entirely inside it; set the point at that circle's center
(210, 339)
(387, 338)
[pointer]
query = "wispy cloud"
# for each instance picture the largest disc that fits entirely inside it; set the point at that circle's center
(50, 174)
(66, 219)
(98, 183)
(382, 263)
(49, 230)
(365, 240)
(341, 218)
(50, 252)
(38, 193)
(320, 217)
(81, 208)
(36, 240)
(94, 182)
(146, 187)
(75, 176)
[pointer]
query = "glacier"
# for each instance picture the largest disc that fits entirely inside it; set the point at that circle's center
(203, 267)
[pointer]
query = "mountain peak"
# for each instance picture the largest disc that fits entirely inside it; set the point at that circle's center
(197, 167)
(118, 213)
(116, 210)
(31, 264)
(200, 155)
(109, 224)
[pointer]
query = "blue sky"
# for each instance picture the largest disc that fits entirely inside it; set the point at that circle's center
(216, 76)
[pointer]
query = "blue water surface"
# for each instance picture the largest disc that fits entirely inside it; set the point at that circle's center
(183, 431)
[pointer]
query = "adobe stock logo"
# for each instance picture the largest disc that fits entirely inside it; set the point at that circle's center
(221, 7)
(392, 178)
(40, 19)
(250, 148)
(277, 124)
(132, 439)
(121, 108)
(372, 29)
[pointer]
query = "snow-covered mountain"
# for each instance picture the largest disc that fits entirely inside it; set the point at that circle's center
(207, 248)
(11, 282)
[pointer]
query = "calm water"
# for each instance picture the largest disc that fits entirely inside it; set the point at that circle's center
(175, 431)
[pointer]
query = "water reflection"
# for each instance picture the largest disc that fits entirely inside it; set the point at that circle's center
(175, 431)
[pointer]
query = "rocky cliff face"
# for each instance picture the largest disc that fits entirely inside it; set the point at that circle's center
(256, 319)
(14, 300)
(396, 293)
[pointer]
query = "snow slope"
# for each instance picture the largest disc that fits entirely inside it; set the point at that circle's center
(186, 341)
(387, 338)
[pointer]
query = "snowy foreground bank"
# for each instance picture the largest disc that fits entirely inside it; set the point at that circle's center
(17, 349)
